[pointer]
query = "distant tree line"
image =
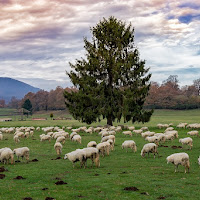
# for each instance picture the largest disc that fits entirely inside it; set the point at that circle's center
(169, 95)
(42, 100)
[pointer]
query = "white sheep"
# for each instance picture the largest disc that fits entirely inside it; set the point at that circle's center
(149, 148)
(22, 152)
(152, 139)
(92, 144)
(58, 147)
(77, 138)
(77, 155)
(199, 160)
(16, 139)
(129, 144)
(147, 134)
(188, 141)
(6, 155)
(72, 135)
(127, 133)
(179, 159)
(61, 139)
(45, 137)
(192, 133)
(1, 136)
(138, 132)
(93, 154)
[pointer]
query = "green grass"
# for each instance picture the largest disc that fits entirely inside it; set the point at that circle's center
(117, 171)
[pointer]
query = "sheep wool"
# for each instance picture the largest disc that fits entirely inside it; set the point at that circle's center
(149, 148)
(129, 144)
(179, 159)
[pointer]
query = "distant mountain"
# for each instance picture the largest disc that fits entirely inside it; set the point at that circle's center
(13, 88)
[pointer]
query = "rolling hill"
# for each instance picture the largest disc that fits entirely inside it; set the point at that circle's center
(13, 88)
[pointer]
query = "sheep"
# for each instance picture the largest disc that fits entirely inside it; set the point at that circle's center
(199, 160)
(93, 154)
(129, 144)
(16, 139)
(137, 132)
(149, 148)
(131, 128)
(106, 138)
(1, 136)
(127, 133)
(147, 133)
(45, 137)
(187, 141)
(161, 137)
(22, 152)
(144, 128)
(152, 139)
(77, 155)
(181, 125)
(169, 129)
(174, 132)
(92, 144)
(61, 139)
(169, 136)
(179, 159)
(31, 133)
(192, 133)
(111, 144)
(26, 134)
(72, 135)
(77, 138)
(104, 148)
(58, 148)
(6, 155)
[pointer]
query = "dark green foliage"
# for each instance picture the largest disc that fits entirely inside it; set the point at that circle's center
(27, 105)
(112, 80)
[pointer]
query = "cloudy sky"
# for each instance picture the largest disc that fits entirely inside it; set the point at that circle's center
(38, 38)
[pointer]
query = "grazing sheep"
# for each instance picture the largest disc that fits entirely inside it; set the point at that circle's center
(192, 133)
(22, 152)
(161, 137)
(144, 128)
(152, 139)
(61, 139)
(169, 136)
(188, 141)
(182, 125)
(1, 136)
(199, 160)
(147, 133)
(77, 155)
(169, 129)
(104, 148)
(127, 133)
(93, 154)
(26, 134)
(149, 148)
(129, 144)
(106, 138)
(92, 144)
(45, 137)
(16, 139)
(77, 138)
(111, 144)
(174, 132)
(58, 148)
(179, 159)
(131, 128)
(6, 155)
(138, 132)
(72, 135)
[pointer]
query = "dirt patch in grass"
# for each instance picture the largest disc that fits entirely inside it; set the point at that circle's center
(2, 176)
(45, 188)
(60, 183)
(56, 158)
(163, 146)
(96, 174)
(17, 161)
(80, 196)
(145, 193)
(108, 173)
(176, 147)
(34, 160)
(19, 177)
(27, 198)
(49, 198)
(2, 169)
(131, 189)
(161, 197)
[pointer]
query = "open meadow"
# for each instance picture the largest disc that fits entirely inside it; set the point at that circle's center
(121, 175)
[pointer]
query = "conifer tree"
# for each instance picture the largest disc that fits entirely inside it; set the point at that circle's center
(111, 81)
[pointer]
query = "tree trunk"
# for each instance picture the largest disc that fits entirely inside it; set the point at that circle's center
(109, 121)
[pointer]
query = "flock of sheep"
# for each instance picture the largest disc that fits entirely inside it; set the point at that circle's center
(94, 150)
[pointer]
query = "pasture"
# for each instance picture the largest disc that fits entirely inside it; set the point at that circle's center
(121, 175)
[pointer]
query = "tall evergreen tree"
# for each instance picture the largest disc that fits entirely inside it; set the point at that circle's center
(111, 81)
(27, 105)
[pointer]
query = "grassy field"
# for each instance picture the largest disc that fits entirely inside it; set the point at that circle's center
(153, 178)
